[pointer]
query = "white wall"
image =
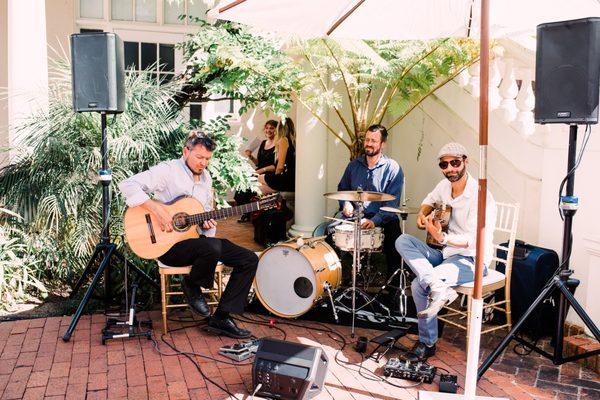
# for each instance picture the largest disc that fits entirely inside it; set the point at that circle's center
(3, 80)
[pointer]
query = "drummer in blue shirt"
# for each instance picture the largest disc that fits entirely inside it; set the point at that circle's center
(376, 172)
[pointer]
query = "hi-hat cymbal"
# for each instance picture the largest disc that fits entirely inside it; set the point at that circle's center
(354, 195)
(401, 210)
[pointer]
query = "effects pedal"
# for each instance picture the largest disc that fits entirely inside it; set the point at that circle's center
(240, 351)
(412, 371)
(448, 383)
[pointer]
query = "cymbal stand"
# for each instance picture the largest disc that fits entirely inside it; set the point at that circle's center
(358, 215)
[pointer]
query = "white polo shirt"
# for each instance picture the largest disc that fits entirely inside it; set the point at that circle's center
(462, 227)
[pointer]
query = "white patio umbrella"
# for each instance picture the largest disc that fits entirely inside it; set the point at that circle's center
(417, 20)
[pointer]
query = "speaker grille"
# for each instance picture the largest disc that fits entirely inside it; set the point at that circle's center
(97, 72)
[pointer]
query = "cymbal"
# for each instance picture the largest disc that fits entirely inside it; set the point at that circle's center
(353, 195)
(401, 210)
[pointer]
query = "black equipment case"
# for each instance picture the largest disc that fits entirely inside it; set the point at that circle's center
(532, 268)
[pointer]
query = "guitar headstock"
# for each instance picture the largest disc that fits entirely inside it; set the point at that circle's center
(270, 201)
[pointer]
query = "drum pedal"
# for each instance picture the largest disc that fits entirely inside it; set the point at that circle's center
(240, 351)
(387, 340)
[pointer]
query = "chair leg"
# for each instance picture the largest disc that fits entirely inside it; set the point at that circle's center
(507, 309)
(220, 284)
(163, 301)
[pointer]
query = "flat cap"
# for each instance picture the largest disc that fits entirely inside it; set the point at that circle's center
(452, 149)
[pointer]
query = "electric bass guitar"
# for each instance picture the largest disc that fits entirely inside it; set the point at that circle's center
(147, 240)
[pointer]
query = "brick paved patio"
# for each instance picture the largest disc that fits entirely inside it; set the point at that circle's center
(37, 364)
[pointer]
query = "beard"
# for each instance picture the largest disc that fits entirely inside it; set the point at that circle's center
(370, 151)
(458, 175)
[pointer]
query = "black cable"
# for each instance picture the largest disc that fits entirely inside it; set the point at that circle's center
(245, 319)
(189, 357)
(586, 137)
(444, 369)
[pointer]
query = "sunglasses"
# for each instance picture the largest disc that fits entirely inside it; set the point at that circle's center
(199, 137)
(455, 163)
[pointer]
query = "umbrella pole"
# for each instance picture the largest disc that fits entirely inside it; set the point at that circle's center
(474, 333)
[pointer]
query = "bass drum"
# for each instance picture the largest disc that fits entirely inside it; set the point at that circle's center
(290, 278)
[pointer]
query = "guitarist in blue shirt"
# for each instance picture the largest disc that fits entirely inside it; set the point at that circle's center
(376, 172)
(188, 176)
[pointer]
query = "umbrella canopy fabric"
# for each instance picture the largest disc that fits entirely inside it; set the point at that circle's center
(399, 19)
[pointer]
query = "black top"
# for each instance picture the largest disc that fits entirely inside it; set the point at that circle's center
(265, 157)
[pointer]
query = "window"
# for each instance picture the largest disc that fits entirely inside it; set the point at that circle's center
(174, 8)
(91, 9)
(139, 56)
(133, 10)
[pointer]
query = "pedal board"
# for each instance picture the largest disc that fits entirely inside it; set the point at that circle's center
(240, 351)
(412, 371)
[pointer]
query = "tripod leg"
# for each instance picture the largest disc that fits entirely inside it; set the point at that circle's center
(88, 294)
(580, 311)
(492, 357)
(138, 271)
(86, 271)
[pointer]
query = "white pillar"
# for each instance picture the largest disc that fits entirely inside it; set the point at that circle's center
(27, 62)
(311, 173)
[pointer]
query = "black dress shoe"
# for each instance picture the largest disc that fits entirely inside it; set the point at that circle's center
(195, 298)
(419, 352)
(227, 327)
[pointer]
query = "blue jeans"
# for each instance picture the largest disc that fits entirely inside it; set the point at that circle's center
(431, 268)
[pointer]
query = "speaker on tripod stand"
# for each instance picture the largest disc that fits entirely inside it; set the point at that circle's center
(567, 92)
(98, 74)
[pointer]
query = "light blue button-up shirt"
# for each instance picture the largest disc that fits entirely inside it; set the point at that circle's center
(167, 181)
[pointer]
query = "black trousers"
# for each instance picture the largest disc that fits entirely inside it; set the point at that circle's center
(203, 254)
(391, 232)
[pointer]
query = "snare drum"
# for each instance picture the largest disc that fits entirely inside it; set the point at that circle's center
(370, 239)
(290, 279)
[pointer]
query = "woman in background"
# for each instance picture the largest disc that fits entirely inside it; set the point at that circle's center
(284, 178)
(264, 163)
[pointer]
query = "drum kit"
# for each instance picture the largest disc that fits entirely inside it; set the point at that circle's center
(293, 276)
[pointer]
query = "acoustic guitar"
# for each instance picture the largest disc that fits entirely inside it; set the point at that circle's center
(147, 240)
(442, 214)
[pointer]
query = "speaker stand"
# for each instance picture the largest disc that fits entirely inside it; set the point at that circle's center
(560, 282)
(105, 247)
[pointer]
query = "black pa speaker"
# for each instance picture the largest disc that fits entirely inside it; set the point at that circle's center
(566, 72)
(97, 72)
(287, 370)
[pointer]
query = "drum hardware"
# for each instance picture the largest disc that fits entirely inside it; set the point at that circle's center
(359, 197)
(403, 211)
(327, 287)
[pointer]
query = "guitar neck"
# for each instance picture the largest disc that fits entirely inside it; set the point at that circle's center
(224, 213)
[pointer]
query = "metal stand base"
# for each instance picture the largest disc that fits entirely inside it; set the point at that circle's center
(109, 250)
(132, 324)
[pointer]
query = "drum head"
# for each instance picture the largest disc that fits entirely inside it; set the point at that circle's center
(285, 282)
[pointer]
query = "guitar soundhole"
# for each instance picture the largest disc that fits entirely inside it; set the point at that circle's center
(180, 222)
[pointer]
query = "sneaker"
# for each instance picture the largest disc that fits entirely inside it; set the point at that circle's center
(438, 300)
